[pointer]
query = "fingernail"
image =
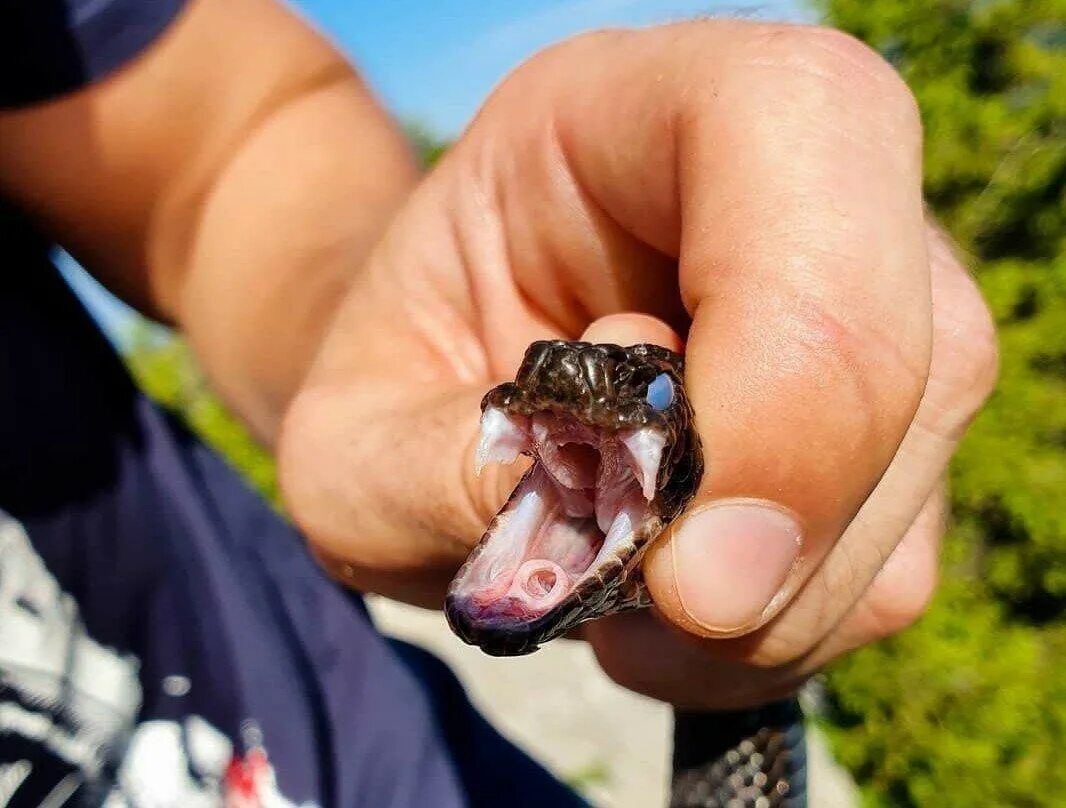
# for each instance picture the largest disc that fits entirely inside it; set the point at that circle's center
(730, 559)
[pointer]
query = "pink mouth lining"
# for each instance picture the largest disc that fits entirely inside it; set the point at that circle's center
(587, 493)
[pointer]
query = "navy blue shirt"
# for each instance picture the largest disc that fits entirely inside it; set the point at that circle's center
(165, 638)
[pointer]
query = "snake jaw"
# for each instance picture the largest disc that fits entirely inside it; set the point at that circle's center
(615, 458)
(567, 541)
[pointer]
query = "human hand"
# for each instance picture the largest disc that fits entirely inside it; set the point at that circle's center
(756, 188)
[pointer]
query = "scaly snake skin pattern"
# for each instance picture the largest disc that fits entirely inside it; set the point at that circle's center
(750, 758)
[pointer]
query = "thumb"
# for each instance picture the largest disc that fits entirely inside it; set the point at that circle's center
(755, 537)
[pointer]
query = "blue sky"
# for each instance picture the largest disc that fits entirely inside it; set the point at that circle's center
(434, 62)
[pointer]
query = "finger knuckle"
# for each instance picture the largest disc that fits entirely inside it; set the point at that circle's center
(904, 587)
(844, 58)
(974, 348)
(576, 50)
(884, 373)
(826, 58)
(965, 365)
(899, 605)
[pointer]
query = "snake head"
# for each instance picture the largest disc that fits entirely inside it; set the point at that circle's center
(616, 458)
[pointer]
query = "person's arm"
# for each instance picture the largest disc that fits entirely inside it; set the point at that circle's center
(231, 180)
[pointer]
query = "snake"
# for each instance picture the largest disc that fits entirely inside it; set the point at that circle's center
(616, 457)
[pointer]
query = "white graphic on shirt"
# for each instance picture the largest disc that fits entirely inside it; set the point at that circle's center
(75, 701)
(12, 776)
(61, 688)
(192, 765)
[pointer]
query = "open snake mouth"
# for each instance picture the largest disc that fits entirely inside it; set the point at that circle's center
(615, 457)
(570, 533)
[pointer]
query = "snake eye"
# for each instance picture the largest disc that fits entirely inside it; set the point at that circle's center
(660, 392)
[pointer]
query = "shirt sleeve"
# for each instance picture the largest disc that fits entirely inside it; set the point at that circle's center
(52, 47)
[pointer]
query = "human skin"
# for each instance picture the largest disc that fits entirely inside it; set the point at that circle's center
(230, 181)
(754, 190)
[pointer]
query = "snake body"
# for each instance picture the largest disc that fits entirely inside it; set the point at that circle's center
(616, 459)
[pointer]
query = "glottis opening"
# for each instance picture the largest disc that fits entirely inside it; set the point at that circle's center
(583, 506)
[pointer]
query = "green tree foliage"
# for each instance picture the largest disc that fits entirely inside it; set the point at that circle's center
(969, 706)
(427, 145)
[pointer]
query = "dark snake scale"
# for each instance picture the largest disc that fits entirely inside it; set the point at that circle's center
(601, 398)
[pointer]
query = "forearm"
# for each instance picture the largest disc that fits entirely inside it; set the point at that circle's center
(232, 180)
(278, 239)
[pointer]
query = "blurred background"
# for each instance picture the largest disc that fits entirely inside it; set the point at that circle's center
(966, 708)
